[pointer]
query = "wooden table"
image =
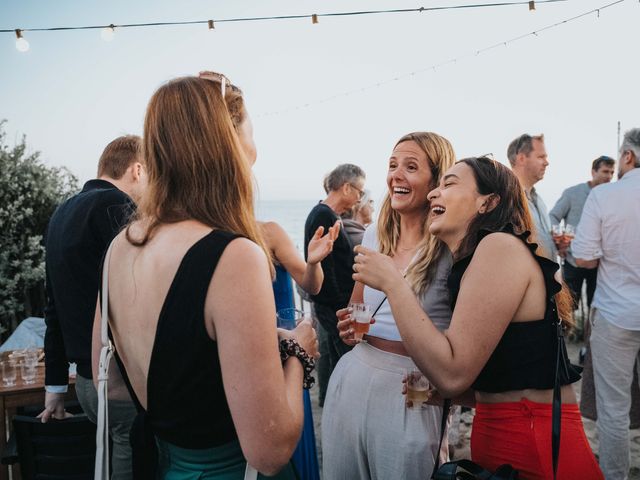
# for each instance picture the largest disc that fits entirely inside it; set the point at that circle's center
(22, 395)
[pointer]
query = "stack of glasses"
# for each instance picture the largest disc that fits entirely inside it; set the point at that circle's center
(26, 360)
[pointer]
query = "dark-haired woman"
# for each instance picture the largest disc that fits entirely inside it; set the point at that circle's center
(502, 337)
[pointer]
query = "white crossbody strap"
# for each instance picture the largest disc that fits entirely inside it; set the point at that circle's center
(250, 473)
(106, 352)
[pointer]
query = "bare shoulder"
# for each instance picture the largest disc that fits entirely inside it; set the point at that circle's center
(273, 228)
(121, 246)
(243, 250)
(120, 239)
(501, 241)
(502, 262)
(502, 248)
(273, 233)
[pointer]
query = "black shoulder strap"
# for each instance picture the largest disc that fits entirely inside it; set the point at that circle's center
(443, 427)
(556, 412)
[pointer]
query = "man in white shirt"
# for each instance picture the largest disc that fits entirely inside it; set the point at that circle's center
(528, 158)
(607, 238)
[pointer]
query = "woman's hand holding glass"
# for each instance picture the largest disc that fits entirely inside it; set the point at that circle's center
(346, 326)
(305, 335)
(375, 269)
(430, 396)
(321, 245)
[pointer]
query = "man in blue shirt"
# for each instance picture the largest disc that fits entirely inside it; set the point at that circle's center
(569, 208)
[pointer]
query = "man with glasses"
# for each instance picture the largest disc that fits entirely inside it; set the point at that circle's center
(344, 187)
(607, 239)
(528, 158)
(569, 208)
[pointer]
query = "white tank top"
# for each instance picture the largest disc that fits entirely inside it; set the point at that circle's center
(434, 301)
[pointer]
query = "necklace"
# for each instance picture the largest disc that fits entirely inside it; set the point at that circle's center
(407, 249)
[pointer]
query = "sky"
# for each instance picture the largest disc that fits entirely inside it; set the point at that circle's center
(73, 92)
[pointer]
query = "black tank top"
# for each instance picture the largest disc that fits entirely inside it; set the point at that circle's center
(525, 356)
(186, 403)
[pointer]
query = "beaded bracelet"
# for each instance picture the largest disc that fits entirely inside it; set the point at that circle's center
(290, 348)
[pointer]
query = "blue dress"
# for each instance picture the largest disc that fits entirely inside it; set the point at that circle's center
(305, 457)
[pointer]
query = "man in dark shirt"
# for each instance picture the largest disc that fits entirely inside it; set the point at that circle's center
(345, 188)
(78, 235)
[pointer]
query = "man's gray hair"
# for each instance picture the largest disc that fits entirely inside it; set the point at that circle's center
(345, 173)
(522, 144)
(632, 142)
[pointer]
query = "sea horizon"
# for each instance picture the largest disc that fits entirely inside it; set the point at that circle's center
(291, 214)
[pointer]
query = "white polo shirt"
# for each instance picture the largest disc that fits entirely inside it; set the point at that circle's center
(609, 230)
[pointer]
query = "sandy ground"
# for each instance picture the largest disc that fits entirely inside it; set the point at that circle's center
(461, 447)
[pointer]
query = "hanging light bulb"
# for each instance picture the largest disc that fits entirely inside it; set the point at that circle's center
(108, 32)
(21, 43)
(314, 18)
(211, 25)
(532, 5)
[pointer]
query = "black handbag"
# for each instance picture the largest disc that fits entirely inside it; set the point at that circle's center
(468, 470)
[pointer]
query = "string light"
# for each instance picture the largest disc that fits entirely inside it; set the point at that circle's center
(21, 43)
(532, 5)
(452, 61)
(108, 32)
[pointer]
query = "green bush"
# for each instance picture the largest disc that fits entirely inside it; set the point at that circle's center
(29, 193)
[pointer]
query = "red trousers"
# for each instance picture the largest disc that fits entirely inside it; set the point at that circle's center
(519, 433)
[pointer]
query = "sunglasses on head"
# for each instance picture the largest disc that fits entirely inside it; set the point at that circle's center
(220, 78)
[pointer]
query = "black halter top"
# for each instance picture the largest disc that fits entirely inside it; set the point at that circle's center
(525, 356)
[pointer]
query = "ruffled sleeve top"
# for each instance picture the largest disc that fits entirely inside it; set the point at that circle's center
(525, 356)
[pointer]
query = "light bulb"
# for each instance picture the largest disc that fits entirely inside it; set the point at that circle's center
(107, 33)
(21, 43)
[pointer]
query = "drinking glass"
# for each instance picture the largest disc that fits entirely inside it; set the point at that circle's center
(8, 373)
(562, 234)
(28, 372)
(418, 388)
(16, 355)
(361, 313)
(569, 232)
(288, 318)
(31, 356)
